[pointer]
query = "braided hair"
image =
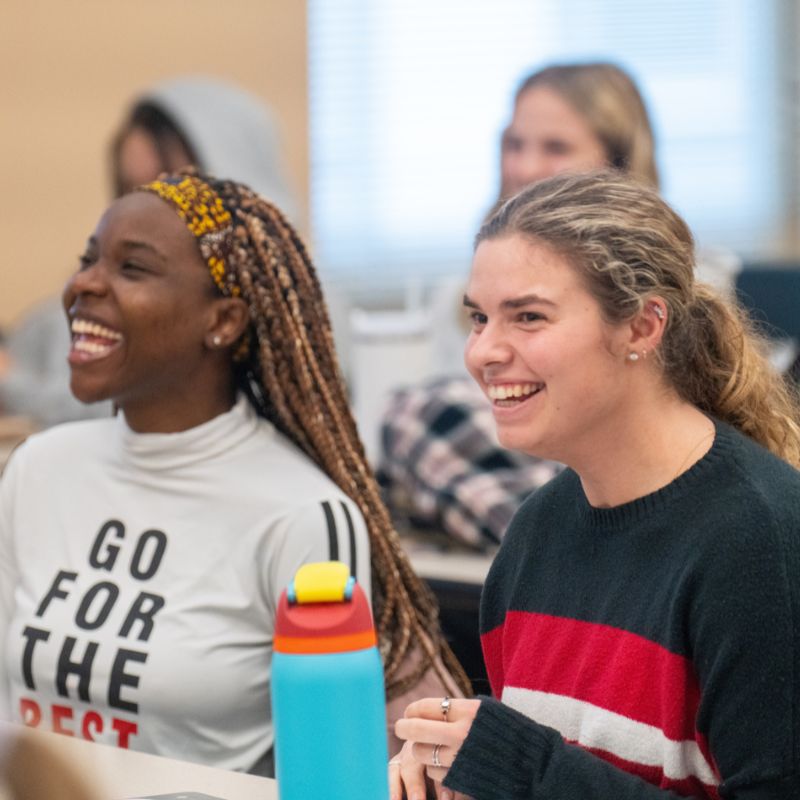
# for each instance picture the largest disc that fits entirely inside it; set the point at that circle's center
(286, 365)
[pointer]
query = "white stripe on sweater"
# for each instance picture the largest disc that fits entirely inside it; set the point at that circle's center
(598, 728)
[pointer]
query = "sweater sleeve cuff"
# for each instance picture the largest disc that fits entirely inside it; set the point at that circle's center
(503, 756)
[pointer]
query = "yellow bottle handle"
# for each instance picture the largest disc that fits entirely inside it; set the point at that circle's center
(321, 582)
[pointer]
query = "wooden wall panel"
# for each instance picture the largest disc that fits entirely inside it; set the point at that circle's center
(68, 72)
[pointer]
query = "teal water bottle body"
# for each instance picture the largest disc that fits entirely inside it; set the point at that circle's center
(330, 723)
(328, 701)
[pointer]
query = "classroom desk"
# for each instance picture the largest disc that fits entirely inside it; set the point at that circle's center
(452, 566)
(118, 774)
(456, 577)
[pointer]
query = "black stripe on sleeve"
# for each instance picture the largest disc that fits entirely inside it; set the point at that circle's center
(333, 540)
(352, 534)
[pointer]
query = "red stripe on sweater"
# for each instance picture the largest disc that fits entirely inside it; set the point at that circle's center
(492, 645)
(688, 787)
(610, 668)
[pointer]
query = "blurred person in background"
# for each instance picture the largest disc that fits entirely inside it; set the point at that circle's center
(575, 118)
(215, 126)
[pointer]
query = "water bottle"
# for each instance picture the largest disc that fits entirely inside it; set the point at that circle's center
(328, 703)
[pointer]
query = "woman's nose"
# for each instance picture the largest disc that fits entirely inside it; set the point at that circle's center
(486, 348)
(536, 166)
(86, 280)
(525, 168)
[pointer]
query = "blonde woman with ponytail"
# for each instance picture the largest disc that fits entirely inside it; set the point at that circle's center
(640, 624)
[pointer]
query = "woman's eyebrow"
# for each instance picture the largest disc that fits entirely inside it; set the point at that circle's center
(514, 302)
(526, 300)
(133, 244)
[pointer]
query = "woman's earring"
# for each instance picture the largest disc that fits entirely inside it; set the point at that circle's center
(216, 341)
(658, 311)
(633, 356)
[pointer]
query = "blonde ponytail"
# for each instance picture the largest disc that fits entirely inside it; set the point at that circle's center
(717, 360)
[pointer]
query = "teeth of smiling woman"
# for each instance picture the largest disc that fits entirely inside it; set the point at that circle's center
(82, 326)
(90, 347)
(511, 390)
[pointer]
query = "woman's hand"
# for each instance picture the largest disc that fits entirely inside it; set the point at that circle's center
(433, 739)
(407, 779)
(406, 775)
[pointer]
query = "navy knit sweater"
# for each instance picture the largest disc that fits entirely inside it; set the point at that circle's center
(649, 650)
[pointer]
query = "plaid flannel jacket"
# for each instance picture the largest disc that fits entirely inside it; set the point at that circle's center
(442, 468)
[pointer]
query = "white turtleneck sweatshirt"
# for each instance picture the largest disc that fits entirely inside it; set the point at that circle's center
(140, 576)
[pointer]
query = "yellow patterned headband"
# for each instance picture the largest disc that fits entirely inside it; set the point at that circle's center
(204, 213)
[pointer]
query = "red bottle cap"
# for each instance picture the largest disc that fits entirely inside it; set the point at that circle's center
(338, 625)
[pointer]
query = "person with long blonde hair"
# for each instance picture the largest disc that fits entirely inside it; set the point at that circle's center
(640, 622)
(574, 117)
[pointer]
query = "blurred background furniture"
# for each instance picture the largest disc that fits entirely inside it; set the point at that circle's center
(455, 575)
(771, 292)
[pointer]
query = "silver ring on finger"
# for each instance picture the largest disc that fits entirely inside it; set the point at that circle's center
(436, 760)
(445, 706)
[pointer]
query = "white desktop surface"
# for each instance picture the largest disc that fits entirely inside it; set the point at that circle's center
(458, 566)
(115, 773)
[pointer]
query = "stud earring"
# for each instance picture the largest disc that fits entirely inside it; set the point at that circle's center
(216, 341)
(633, 356)
(658, 311)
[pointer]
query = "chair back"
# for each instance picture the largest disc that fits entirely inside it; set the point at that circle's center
(771, 293)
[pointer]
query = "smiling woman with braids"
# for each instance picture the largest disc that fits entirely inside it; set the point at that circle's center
(142, 557)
